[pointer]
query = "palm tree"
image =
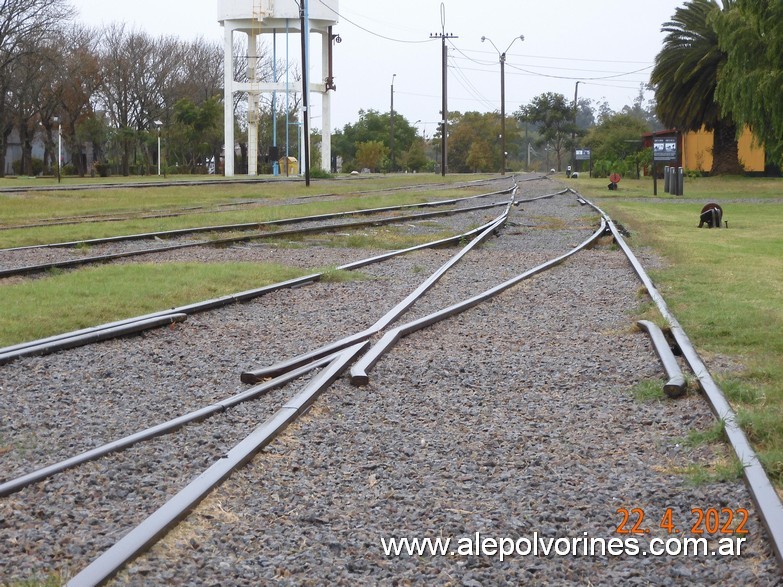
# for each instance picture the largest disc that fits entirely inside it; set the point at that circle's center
(685, 77)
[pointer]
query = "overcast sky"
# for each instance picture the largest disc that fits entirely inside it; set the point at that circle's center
(565, 41)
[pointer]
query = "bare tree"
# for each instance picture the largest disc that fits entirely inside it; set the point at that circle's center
(78, 81)
(35, 97)
(124, 60)
(200, 75)
(24, 24)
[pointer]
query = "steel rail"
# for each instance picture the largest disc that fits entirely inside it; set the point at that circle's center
(221, 182)
(167, 516)
(150, 184)
(19, 483)
(79, 334)
(30, 269)
(255, 375)
(250, 225)
(63, 341)
(675, 386)
(97, 218)
(171, 213)
(91, 335)
(359, 371)
(762, 491)
(544, 197)
(47, 345)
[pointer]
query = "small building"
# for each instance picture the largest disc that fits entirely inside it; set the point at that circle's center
(694, 150)
(697, 152)
(288, 166)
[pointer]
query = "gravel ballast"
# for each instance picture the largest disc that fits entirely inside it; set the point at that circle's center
(515, 419)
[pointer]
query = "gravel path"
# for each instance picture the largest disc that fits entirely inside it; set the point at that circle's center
(513, 418)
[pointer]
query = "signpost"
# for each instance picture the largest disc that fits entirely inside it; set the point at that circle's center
(584, 155)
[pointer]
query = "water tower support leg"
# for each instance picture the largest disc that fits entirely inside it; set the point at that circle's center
(252, 108)
(228, 84)
(326, 106)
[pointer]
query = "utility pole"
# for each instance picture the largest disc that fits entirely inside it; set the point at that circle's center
(444, 123)
(573, 133)
(391, 124)
(303, 17)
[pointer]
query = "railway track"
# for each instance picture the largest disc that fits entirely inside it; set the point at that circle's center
(176, 212)
(510, 418)
(18, 262)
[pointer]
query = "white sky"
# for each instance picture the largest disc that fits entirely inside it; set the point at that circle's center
(572, 39)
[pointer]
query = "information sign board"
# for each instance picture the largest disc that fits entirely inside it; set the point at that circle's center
(665, 149)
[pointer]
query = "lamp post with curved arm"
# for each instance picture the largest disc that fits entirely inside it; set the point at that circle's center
(391, 124)
(502, 57)
(158, 124)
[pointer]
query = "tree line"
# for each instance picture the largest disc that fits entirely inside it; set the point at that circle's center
(118, 90)
(720, 68)
(539, 136)
(114, 89)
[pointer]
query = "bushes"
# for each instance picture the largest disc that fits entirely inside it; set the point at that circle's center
(36, 164)
(102, 169)
(631, 166)
(318, 173)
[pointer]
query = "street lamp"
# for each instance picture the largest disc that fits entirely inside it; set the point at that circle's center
(159, 124)
(56, 120)
(391, 123)
(502, 57)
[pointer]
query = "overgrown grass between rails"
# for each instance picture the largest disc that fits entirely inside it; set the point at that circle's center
(724, 286)
(20, 207)
(386, 238)
(67, 301)
(52, 580)
(261, 213)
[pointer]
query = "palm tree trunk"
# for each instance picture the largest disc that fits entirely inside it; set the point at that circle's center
(725, 153)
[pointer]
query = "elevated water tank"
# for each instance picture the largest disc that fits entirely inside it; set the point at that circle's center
(274, 13)
(257, 18)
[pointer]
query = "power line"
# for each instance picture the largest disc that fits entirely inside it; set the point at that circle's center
(366, 30)
(560, 58)
(465, 82)
(460, 51)
(580, 78)
(553, 68)
(527, 73)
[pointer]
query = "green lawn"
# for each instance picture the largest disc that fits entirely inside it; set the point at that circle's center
(71, 300)
(28, 207)
(724, 286)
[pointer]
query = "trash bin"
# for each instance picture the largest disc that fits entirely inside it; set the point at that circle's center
(288, 166)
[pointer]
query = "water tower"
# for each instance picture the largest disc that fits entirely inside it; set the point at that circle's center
(275, 17)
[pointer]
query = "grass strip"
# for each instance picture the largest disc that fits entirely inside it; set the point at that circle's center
(261, 213)
(67, 301)
(725, 286)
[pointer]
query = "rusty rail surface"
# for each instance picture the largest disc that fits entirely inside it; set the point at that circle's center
(359, 371)
(174, 510)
